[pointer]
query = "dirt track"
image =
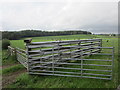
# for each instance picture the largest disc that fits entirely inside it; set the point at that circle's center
(10, 78)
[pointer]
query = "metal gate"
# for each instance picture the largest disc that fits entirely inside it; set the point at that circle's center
(73, 58)
(20, 55)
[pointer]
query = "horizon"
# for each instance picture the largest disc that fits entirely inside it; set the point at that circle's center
(56, 31)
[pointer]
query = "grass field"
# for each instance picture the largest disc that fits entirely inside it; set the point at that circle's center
(34, 81)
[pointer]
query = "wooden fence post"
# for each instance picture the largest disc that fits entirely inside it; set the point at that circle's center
(28, 41)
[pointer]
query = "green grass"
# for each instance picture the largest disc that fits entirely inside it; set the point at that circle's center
(21, 44)
(12, 69)
(0, 71)
(7, 61)
(34, 81)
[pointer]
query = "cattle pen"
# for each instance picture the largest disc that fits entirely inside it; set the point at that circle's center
(73, 58)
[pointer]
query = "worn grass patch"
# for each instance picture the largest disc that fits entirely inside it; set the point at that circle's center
(12, 69)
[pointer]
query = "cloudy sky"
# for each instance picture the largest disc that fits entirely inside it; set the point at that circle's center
(51, 15)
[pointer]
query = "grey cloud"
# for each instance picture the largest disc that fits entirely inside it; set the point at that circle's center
(96, 17)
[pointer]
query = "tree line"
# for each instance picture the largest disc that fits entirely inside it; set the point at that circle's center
(15, 35)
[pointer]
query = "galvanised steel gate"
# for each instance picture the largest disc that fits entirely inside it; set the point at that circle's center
(73, 58)
(20, 55)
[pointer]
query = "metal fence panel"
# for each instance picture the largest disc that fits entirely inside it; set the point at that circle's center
(69, 58)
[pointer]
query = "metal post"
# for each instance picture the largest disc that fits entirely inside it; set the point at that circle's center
(41, 58)
(79, 46)
(81, 58)
(70, 50)
(59, 53)
(28, 41)
(100, 45)
(112, 63)
(90, 48)
(53, 60)
(81, 64)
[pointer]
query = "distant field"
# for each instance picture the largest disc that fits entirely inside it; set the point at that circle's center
(67, 82)
(20, 43)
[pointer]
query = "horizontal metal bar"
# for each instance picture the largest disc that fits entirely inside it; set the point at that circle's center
(56, 45)
(59, 50)
(74, 59)
(70, 72)
(96, 74)
(70, 75)
(44, 57)
(89, 41)
(71, 68)
(43, 53)
(103, 47)
(82, 52)
(37, 51)
(54, 71)
(48, 45)
(23, 54)
(22, 60)
(67, 41)
(19, 58)
(40, 46)
(101, 54)
(49, 56)
(21, 50)
(11, 48)
(89, 44)
(70, 64)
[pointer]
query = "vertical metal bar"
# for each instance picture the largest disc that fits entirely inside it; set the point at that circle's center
(81, 67)
(40, 58)
(81, 58)
(79, 46)
(53, 59)
(27, 50)
(112, 62)
(70, 50)
(81, 64)
(91, 49)
(59, 57)
(28, 41)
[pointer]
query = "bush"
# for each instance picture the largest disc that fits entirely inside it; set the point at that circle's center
(5, 43)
